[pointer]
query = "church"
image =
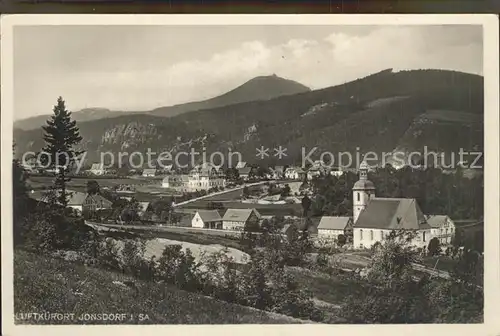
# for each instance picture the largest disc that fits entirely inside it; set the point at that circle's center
(375, 217)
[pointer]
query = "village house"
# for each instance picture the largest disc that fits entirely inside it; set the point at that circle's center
(176, 182)
(207, 219)
(167, 169)
(241, 164)
(206, 176)
(278, 172)
(442, 227)
(144, 207)
(375, 218)
(82, 202)
(330, 227)
(97, 169)
(238, 219)
(244, 173)
(315, 171)
(336, 171)
(149, 172)
(294, 173)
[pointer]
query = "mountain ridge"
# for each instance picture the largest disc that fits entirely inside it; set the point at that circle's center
(257, 88)
(381, 112)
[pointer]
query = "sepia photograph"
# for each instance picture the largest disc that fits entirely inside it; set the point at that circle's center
(195, 170)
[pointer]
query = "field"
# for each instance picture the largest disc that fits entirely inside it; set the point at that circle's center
(43, 284)
(193, 236)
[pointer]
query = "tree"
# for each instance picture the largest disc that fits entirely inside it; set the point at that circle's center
(61, 135)
(130, 212)
(20, 200)
(19, 189)
(232, 174)
(306, 205)
(434, 247)
(246, 192)
(286, 191)
(341, 240)
(93, 187)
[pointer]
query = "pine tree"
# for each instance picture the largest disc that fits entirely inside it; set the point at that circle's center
(61, 135)
(19, 187)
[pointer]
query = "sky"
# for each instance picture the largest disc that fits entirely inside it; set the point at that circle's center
(134, 68)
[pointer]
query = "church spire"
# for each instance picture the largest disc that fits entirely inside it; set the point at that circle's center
(363, 190)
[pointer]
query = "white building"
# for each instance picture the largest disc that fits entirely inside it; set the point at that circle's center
(442, 227)
(174, 182)
(149, 172)
(375, 218)
(205, 176)
(330, 227)
(336, 171)
(207, 219)
(294, 173)
(97, 169)
(237, 219)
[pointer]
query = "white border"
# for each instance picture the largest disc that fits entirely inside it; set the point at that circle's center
(491, 148)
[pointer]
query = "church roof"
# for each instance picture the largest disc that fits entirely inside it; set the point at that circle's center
(392, 214)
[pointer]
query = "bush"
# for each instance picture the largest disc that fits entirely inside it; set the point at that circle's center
(179, 268)
(434, 247)
(48, 230)
(133, 261)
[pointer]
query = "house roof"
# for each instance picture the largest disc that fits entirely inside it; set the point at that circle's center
(333, 223)
(294, 169)
(244, 170)
(97, 166)
(168, 167)
(99, 199)
(209, 215)
(436, 221)
(240, 165)
(149, 171)
(391, 214)
(143, 206)
(239, 215)
(279, 169)
(76, 197)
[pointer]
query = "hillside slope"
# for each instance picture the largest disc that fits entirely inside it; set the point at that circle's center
(44, 284)
(258, 88)
(381, 112)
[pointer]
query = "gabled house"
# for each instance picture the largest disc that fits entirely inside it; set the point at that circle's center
(278, 172)
(143, 208)
(81, 202)
(97, 169)
(330, 227)
(442, 227)
(294, 173)
(149, 172)
(238, 219)
(244, 172)
(241, 164)
(167, 169)
(207, 219)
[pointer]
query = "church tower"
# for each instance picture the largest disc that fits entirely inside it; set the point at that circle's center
(362, 191)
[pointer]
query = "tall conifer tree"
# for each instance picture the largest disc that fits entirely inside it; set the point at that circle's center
(61, 136)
